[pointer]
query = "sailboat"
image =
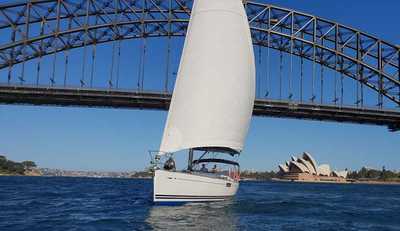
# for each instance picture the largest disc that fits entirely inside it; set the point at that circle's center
(211, 106)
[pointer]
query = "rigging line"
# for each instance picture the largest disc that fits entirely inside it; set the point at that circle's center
(357, 87)
(82, 80)
(291, 57)
(12, 58)
(143, 62)
(259, 75)
(313, 75)
(361, 88)
(314, 34)
(118, 62)
(280, 73)
(380, 80)
(53, 77)
(268, 56)
(93, 64)
(301, 68)
(110, 81)
(322, 83)
(116, 20)
(268, 68)
(168, 62)
(280, 65)
(139, 68)
(9, 72)
(291, 70)
(93, 55)
(335, 82)
(301, 77)
(336, 63)
(168, 46)
(341, 83)
(21, 78)
(358, 69)
(38, 68)
(322, 72)
(66, 55)
(25, 37)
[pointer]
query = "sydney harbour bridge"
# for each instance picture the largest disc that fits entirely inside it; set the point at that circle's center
(125, 54)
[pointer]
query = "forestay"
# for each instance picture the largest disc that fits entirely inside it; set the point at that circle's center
(215, 88)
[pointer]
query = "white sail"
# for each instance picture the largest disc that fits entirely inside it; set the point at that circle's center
(214, 92)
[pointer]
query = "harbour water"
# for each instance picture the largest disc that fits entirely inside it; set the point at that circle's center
(60, 203)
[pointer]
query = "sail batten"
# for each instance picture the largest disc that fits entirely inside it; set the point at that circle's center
(214, 92)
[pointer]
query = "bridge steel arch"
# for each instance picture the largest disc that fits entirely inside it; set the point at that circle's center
(34, 29)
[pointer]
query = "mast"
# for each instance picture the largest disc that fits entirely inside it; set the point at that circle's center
(190, 160)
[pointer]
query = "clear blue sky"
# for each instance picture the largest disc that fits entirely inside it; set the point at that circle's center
(111, 139)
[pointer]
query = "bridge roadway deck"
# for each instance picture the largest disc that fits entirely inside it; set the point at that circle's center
(160, 101)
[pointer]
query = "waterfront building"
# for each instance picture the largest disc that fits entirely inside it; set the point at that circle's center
(305, 168)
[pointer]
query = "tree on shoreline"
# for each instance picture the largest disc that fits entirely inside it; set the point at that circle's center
(28, 164)
(374, 174)
(12, 167)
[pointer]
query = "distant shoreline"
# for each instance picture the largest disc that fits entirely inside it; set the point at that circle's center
(78, 176)
(6, 174)
(377, 182)
(370, 182)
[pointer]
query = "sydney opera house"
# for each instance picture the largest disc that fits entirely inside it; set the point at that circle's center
(305, 168)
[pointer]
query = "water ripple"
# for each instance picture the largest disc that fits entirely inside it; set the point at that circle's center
(40, 203)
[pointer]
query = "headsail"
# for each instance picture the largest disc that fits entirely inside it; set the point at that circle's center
(214, 92)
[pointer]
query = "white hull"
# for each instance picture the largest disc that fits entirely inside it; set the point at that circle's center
(191, 187)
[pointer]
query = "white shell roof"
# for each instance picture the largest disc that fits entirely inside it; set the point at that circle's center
(299, 166)
(342, 174)
(309, 166)
(284, 168)
(307, 156)
(324, 170)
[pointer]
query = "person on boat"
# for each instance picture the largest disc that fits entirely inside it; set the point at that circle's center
(203, 168)
(214, 169)
(169, 165)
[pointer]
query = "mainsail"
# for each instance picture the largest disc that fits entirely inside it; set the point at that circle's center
(214, 92)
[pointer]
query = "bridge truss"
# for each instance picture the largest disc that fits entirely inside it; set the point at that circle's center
(32, 31)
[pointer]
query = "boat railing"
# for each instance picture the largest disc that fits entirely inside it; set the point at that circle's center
(227, 174)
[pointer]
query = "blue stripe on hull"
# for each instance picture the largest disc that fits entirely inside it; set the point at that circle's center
(179, 203)
(170, 203)
(192, 198)
(161, 196)
(182, 199)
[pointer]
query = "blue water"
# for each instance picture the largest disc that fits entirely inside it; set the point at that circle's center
(40, 203)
